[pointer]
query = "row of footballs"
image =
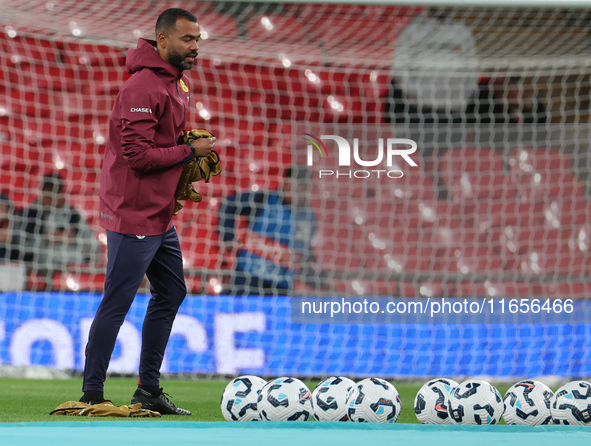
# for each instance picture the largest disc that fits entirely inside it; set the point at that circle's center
(439, 401)
(528, 402)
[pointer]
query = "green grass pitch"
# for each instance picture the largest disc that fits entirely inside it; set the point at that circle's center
(26, 400)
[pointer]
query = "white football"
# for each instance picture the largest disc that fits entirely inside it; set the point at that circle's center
(373, 400)
(285, 399)
(528, 403)
(431, 402)
(330, 399)
(572, 404)
(239, 400)
(476, 401)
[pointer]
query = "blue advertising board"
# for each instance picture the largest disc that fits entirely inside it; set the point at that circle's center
(233, 335)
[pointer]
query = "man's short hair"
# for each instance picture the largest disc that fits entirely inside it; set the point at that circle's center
(52, 182)
(167, 20)
(297, 172)
(5, 201)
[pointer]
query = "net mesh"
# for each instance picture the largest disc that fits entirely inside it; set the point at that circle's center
(481, 219)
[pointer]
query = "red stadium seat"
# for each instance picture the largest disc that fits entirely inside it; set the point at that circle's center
(91, 54)
(278, 105)
(332, 81)
(380, 287)
(566, 213)
(215, 26)
(568, 289)
(373, 214)
(520, 247)
(29, 49)
(470, 289)
(475, 186)
(275, 28)
(77, 103)
(540, 175)
(21, 157)
(198, 234)
(548, 263)
(20, 167)
(336, 242)
(580, 241)
(335, 30)
(73, 281)
(224, 103)
(540, 186)
(248, 77)
(291, 80)
(363, 287)
(406, 245)
(445, 239)
(194, 284)
(335, 184)
(278, 151)
(469, 159)
(269, 160)
(502, 213)
(35, 104)
(475, 174)
(360, 55)
(82, 181)
(427, 288)
(469, 259)
(79, 158)
(343, 109)
(391, 251)
(375, 86)
(412, 186)
(498, 289)
(48, 78)
(285, 53)
(336, 247)
(429, 213)
(511, 239)
(529, 160)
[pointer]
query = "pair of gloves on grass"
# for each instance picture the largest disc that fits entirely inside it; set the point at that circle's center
(104, 409)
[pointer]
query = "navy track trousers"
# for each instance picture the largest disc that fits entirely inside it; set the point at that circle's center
(129, 257)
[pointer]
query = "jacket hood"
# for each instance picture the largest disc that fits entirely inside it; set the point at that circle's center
(146, 56)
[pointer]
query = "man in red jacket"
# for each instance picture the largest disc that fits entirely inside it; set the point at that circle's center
(142, 166)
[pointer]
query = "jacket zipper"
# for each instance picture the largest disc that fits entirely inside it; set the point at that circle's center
(179, 95)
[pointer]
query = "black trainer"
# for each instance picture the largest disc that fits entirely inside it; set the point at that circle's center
(93, 399)
(157, 402)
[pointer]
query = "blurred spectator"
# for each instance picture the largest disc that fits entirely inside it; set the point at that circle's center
(52, 233)
(506, 100)
(434, 70)
(273, 250)
(8, 246)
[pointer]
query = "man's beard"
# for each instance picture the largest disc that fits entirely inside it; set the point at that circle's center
(178, 60)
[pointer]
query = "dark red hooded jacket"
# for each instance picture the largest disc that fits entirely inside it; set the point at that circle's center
(143, 156)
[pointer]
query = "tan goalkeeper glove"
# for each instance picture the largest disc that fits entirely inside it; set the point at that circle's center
(199, 169)
(193, 135)
(104, 409)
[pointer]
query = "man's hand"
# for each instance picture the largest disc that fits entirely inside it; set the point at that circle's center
(203, 146)
(201, 140)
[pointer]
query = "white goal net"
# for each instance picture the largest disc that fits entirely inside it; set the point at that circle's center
(513, 210)
(497, 100)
